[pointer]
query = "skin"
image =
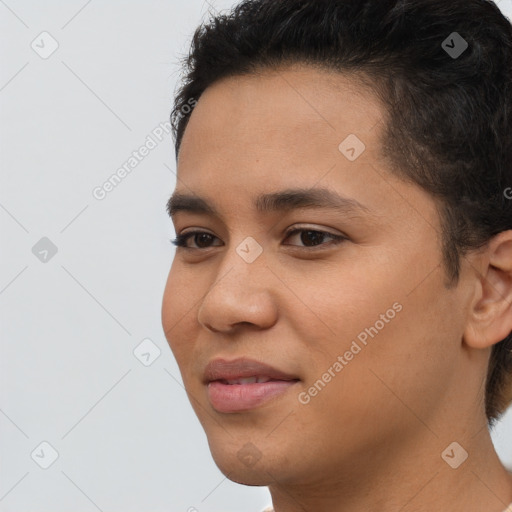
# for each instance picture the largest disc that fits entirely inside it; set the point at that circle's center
(372, 438)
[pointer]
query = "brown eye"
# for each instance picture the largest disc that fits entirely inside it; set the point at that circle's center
(314, 238)
(201, 238)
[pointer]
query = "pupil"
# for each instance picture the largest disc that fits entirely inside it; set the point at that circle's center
(316, 236)
(204, 237)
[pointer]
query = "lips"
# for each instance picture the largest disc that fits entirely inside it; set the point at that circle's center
(247, 380)
(237, 371)
(242, 385)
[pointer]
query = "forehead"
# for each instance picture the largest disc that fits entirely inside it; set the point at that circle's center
(279, 121)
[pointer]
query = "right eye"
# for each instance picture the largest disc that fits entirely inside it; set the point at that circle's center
(200, 237)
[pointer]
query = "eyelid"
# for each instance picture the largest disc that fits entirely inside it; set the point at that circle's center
(309, 227)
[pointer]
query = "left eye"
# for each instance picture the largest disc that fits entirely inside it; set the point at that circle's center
(309, 237)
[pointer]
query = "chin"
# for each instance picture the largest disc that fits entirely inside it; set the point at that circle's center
(244, 466)
(252, 477)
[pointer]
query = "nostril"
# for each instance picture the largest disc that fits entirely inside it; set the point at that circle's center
(210, 327)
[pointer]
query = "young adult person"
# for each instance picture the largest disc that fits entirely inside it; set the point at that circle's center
(340, 300)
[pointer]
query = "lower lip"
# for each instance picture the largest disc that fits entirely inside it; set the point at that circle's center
(242, 397)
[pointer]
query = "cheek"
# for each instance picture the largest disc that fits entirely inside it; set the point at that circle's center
(178, 312)
(404, 370)
(396, 345)
(350, 301)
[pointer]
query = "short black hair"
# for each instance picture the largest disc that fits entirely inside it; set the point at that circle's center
(448, 105)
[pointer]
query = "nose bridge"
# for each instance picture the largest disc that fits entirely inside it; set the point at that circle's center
(241, 290)
(244, 261)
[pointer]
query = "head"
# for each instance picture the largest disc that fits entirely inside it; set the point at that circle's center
(405, 319)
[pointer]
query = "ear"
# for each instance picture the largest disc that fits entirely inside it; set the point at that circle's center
(490, 312)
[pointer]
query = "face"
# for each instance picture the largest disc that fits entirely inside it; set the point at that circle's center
(362, 326)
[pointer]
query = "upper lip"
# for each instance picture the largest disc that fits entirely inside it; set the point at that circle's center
(222, 369)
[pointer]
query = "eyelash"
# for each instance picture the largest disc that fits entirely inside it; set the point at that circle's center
(181, 240)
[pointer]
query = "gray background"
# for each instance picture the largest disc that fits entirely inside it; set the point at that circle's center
(126, 436)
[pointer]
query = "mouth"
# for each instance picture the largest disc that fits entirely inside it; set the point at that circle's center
(244, 384)
(260, 379)
(236, 397)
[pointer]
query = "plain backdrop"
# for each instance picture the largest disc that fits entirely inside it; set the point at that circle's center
(93, 415)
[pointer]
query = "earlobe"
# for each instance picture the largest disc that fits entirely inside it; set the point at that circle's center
(490, 314)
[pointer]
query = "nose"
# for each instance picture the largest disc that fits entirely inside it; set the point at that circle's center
(242, 294)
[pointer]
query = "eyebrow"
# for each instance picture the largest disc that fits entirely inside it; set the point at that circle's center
(285, 200)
